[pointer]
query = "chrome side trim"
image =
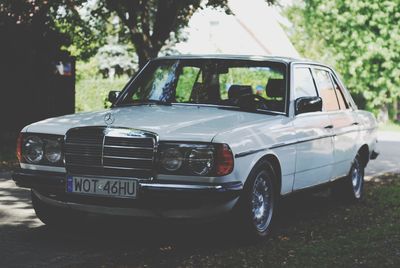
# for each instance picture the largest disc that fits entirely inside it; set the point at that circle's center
(282, 144)
(243, 154)
(237, 186)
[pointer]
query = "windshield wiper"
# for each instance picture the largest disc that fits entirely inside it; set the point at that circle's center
(157, 102)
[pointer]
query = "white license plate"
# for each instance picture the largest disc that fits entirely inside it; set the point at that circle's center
(126, 188)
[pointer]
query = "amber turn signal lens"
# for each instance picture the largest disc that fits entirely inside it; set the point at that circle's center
(19, 147)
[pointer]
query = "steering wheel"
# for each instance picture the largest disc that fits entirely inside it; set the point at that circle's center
(252, 101)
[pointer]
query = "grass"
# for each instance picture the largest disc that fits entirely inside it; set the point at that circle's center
(390, 126)
(312, 231)
(319, 232)
(328, 234)
(92, 92)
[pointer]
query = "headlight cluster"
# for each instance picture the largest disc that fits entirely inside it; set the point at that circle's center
(195, 159)
(40, 149)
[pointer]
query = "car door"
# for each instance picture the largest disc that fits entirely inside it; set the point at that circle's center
(314, 147)
(345, 125)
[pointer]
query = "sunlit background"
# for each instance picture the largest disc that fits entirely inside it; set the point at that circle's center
(64, 56)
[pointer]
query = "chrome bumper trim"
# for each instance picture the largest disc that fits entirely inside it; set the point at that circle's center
(199, 213)
(236, 186)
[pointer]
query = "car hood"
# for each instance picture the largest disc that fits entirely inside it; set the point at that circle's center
(175, 122)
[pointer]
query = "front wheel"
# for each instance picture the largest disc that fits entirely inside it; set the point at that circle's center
(351, 188)
(257, 205)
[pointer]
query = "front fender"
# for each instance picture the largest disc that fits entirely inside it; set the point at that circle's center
(285, 157)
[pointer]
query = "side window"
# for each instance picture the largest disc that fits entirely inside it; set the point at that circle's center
(339, 93)
(326, 90)
(255, 78)
(303, 83)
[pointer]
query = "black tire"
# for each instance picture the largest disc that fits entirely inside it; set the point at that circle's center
(260, 195)
(351, 188)
(56, 217)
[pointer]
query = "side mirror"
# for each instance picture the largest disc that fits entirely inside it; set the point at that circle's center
(113, 96)
(308, 104)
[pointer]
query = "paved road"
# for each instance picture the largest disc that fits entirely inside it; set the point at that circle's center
(26, 242)
(388, 160)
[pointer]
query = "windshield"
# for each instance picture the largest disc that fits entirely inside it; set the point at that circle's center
(251, 85)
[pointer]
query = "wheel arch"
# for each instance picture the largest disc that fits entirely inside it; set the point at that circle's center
(276, 166)
(364, 154)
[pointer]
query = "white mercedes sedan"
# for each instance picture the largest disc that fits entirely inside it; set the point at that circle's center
(196, 137)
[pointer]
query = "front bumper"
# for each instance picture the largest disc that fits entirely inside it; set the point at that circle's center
(155, 199)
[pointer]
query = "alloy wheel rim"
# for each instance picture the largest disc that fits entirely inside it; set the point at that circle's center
(262, 206)
(357, 179)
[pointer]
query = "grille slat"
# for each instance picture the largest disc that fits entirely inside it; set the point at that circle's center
(129, 142)
(127, 158)
(110, 152)
(128, 152)
(107, 167)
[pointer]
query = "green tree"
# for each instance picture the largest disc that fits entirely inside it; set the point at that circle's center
(361, 38)
(80, 24)
(151, 23)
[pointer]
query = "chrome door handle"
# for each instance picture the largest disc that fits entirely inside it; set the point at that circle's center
(328, 127)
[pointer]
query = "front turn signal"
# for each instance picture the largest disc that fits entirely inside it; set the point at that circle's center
(224, 160)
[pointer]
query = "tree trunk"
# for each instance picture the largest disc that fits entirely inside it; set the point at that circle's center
(144, 49)
(395, 110)
(144, 55)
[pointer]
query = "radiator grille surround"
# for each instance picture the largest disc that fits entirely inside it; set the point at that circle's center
(116, 152)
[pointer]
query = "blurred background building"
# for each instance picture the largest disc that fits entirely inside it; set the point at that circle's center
(254, 29)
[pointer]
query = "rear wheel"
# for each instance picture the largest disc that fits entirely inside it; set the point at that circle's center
(257, 205)
(351, 188)
(53, 216)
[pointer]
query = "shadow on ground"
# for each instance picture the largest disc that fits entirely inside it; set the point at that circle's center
(123, 241)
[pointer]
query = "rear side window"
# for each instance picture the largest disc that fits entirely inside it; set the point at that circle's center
(339, 93)
(326, 90)
(303, 83)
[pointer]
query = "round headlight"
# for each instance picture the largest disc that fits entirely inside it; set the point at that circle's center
(52, 151)
(171, 159)
(33, 149)
(201, 161)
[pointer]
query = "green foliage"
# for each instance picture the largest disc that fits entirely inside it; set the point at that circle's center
(92, 89)
(116, 59)
(360, 37)
(254, 77)
(152, 23)
(85, 23)
(186, 82)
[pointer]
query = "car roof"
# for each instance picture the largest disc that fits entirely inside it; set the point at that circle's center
(238, 57)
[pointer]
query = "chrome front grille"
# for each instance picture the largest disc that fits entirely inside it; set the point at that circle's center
(116, 152)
